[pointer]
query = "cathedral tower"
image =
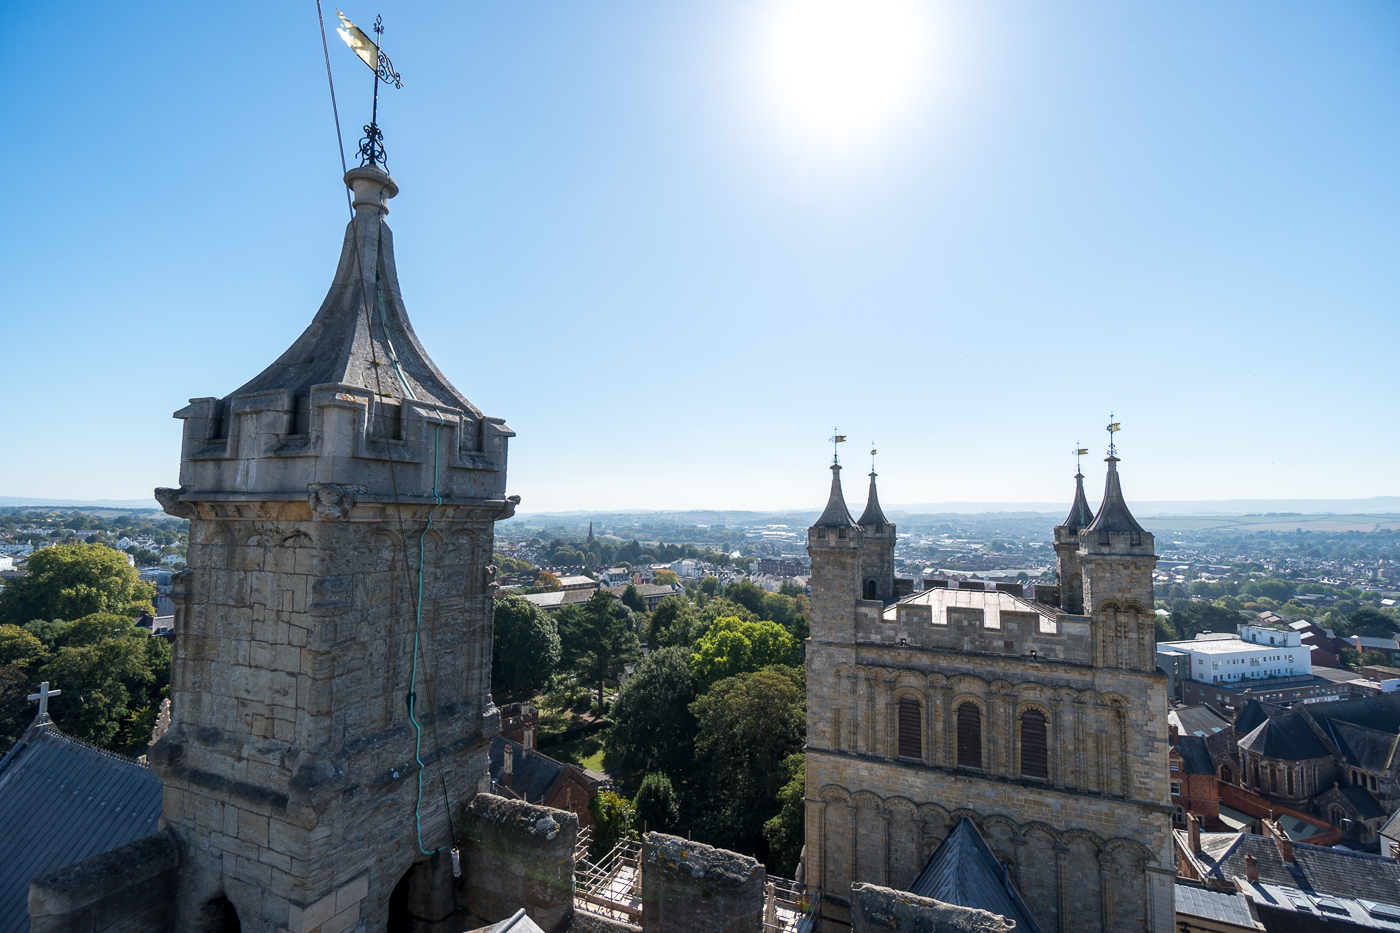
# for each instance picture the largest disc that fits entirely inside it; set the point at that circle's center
(877, 562)
(1069, 575)
(331, 679)
(1117, 558)
(835, 544)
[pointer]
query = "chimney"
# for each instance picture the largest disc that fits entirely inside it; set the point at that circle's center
(507, 770)
(1284, 844)
(1193, 832)
(529, 736)
(1175, 733)
(1251, 869)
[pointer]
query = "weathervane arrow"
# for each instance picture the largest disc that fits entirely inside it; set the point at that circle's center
(369, 52)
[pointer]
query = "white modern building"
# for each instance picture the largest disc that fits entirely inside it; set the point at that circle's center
(1256, 653)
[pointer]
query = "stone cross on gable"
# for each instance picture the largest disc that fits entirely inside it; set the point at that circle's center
(43, 697)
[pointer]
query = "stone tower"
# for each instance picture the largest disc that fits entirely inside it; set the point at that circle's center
(332, 664)
(1116, 557)
(877, 564)
(835, 544)
(1070, 574)
(1046, 727)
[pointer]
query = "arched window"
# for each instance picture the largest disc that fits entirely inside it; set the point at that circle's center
(1035, 761)
(1179, 816)
(910, 729)
(1226, 774)
(1273, 778)
(870, 589)
(1290, 782)
(969, 736)
(1336, 814)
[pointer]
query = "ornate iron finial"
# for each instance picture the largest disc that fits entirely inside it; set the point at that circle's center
(1078, 452)
(836, 439)
(372, 143)
(1113, 428)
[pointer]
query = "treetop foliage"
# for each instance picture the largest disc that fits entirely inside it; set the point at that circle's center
(733, 646)
(72, 581)
(526, 646)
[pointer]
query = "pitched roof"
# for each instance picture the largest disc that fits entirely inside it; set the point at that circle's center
(1080, 515)
(1114, 516)
(61, 801)
(1213, 905)
(533, 775)
(836, 513)
(1365, 748)
(873, 514)
(1315, 868)
(1363, 800)
(1195, 755)
(1198, 720)
(964, 871)
(1286, 738)
(1282, 907)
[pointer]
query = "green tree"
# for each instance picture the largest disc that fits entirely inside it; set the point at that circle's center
(75, 580)
(633, 600)
(666, 578)
(732, 646)
(1280, 591)
(614, 819)
(671, 624)
(747, 726)
(786, 832)
(658, 809)
(1190, 619)
(653, 728)
(747, 594)
(20, 648)
(1371, 623)
(791, 588)
(710, 586)
(99, 683)
(547, 582)
(605, 640)
(525, 644)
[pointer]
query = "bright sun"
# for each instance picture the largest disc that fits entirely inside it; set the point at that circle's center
(841, 69)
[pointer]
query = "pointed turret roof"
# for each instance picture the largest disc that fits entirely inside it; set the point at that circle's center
(836, 512)
(1113, 512)
(1080, 515)
(362, 326)
(873, 514)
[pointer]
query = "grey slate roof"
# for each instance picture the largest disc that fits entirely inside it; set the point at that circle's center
(964, 871)
(1114, 516)
(1364, 802)
(1287, 908)
(873, 514)
(1198, 720)
(1287, 739)
(1362, 747)
(533, 776)
(836, 513)
(61, 801)
(1080, 515)
(1213, 905)
(1195, 756)
(1315, 868)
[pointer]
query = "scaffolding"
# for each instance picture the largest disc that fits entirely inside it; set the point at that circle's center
(612, 888)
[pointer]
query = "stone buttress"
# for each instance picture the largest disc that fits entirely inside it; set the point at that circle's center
(315, 493)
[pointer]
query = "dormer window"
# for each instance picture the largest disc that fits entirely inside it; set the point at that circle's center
(821, 532)
(841, 533)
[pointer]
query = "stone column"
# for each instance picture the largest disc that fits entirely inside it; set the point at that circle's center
(1062, 886)
(1106, 892)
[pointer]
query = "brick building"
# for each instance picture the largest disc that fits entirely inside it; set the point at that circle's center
(1044, 724)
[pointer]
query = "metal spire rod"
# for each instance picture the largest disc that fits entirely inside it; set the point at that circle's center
(1113, 428)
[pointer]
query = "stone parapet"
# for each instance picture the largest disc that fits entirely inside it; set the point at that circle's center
(517, 854)
(130, 889)
(688, 887)
(874, 908)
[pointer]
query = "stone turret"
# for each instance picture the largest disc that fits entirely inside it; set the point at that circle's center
(877, 561)
(1117, 559)
(331, 677)
(835, 544)
(1070, 574)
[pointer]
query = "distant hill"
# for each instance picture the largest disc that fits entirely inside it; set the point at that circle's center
(10, 502)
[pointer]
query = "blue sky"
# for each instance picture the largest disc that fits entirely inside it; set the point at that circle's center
(624, 229)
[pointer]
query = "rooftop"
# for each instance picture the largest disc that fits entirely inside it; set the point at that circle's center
(992, 603)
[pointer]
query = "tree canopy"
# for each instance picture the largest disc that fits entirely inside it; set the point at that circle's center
(732, 646)
(653, 728)
(658, 809)
(525, 649)
(600, 638)
(72, 581)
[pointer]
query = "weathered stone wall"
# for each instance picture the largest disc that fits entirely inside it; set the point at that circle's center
(688, 887)
(288, 767)
(130, 889)
(875, 909)
(517, 855)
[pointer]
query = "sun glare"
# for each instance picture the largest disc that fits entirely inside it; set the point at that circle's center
(842, 69)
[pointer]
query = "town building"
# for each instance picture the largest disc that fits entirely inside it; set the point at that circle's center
(1255, 654)
(520, 772)
(1045, 725)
